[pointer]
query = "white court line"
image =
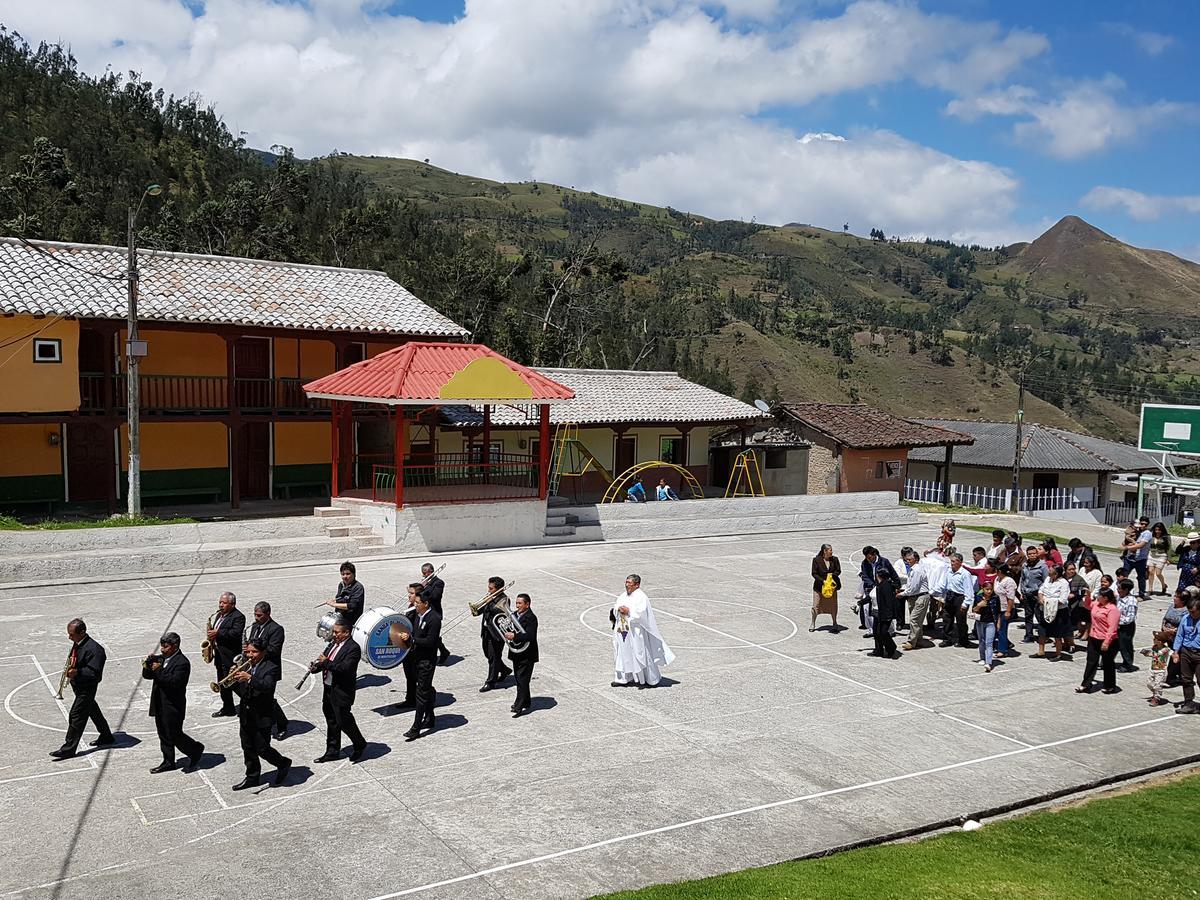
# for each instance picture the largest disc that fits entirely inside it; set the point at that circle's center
(54, 694)
(762, 807)
(813, 666)
(232, 806)
(213, 789)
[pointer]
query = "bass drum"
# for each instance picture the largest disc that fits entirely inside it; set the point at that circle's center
(325, 626)
(377, 633)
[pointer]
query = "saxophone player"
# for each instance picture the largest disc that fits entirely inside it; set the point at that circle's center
(85, 670)
(226, 636)
(170, 671)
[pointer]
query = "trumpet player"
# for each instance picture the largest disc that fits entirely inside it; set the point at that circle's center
(255, 685)
(85, 671)
(338, 666)
(433, 587)
(272, 632)
(170, 671)
(226, 637)
(426, 634)
(493, 641)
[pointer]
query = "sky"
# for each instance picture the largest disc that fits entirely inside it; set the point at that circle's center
(976, 121)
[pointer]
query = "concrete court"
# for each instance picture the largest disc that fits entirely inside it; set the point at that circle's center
(767, 743)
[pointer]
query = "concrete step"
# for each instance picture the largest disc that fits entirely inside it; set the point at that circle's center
(372, 542)
(554, 521)
(340, 531)
(555, 500)
(328, 512)
(560, 529)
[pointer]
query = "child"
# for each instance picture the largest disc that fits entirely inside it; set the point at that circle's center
(949, 529)
(1160, 656)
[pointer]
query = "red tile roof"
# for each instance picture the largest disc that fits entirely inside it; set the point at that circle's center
(417, 372)
(861, 427)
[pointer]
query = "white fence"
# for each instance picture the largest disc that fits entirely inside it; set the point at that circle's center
(1029, 499)
(1155, 508)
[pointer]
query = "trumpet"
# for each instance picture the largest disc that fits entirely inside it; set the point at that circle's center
(241, 663)
(206, 646)
(62, 682)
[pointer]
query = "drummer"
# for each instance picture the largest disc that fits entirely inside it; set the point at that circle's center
(409, 662)
(350, 597)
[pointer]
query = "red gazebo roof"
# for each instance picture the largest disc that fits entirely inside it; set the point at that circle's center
(422, 373)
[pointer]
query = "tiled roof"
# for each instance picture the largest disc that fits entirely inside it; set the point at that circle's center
(608, 396)
(88, 281)
(1048, 448)
(419, 372)
(862, 427)
(766, 437)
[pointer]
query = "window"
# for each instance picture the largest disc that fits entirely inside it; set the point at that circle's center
(670, 450)
(776, 459)
(47, 350)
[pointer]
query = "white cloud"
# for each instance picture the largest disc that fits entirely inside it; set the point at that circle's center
(597, 93)
(809, 136)
(1084, 118)
(1152, 43)
(1139, 206)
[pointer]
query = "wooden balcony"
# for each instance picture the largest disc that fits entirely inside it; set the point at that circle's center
(208, 394)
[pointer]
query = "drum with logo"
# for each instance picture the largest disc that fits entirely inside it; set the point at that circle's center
(377, 633)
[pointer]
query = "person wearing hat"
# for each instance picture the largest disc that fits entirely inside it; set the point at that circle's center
(1189, 562)
(170, 671)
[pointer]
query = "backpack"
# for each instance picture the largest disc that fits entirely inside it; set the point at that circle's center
(828, 588)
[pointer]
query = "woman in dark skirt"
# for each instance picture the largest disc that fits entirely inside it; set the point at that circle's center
(1079, 592)
(1056, 626)
(823, 565)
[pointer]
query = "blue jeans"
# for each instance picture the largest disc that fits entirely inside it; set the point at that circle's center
(1139, 567)
(986, 632)
(1002, 645)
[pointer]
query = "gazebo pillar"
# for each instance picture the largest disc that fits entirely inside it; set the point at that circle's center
(401, 442)
(335, 455)
(487, 443)
(543, 450)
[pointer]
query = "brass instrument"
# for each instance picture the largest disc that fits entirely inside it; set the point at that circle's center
(62, 682)
(206, 646)
(432, 575)
(501, 619)
(479, 606)
(241, 663)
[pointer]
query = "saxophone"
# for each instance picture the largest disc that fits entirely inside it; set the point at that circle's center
(206, 646)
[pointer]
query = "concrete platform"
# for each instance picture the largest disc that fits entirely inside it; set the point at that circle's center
(766, 743)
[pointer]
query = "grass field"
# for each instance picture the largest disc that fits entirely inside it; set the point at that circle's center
(1118, 846)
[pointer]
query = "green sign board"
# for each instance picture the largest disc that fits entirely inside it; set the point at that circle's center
(1170, 429)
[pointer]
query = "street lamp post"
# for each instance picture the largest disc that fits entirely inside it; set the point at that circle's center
(134, 351)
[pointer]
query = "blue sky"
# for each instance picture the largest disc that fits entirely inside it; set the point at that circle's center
(973, 120)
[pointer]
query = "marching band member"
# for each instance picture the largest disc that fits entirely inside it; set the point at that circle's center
(522, 662)
(493, 643)
(339, 672)
(409, 663)
(638, 647)
(170, 671)
(256, 688)
(426, 635)
(226, 636)
(85, 670)
(273, 634)
(433, 588)
(351, 595)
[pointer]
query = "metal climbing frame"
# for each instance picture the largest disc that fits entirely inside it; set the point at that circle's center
(617, 488)
(745, 474)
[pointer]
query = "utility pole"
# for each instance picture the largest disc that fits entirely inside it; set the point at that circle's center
(134, 351)
(1019, 449)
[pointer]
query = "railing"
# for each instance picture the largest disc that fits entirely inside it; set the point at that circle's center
(460, 477)
(1157, 509)
(198, 393)
(1028, 499)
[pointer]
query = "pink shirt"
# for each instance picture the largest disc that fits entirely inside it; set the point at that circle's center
(1104, 620)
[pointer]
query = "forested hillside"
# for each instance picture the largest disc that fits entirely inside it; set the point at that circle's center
(555, 276)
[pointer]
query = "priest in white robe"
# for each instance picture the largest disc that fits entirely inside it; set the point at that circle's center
(639, 651)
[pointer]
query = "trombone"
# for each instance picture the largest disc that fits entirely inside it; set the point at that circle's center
(241, 663)
(432, 575)
(477, 607)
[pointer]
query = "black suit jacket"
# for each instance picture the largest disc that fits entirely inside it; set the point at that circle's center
(272, 633)
(258, 694)
(229, 636)
(168, 697)
(427, 635)
(344, 670)
(432, 592)
(528, 621)
(486, 631)
(354, 596)
(89, 665)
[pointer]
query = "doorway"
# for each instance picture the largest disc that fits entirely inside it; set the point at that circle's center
(90, 462)
(254, 460)
(252, 372)
(624, 454)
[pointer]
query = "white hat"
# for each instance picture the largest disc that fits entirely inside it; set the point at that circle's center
(1193, 536)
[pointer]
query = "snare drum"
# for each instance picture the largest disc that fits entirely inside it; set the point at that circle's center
(377, 633)
(325, 626)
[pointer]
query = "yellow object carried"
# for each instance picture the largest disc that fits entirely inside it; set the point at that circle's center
(828, 588)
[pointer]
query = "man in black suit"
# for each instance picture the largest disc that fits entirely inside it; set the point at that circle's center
(409, 663)
(85, 671)
(423, 644)
(226, 636)
(338, 666)
(351, 596)
(272, 632)
(170, 671)
(523, 662)
(493, 642)
(432, 588)
(256, 687)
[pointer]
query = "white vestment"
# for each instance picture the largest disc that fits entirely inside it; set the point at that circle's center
(640, 651)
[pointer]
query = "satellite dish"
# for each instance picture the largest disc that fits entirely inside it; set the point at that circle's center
(763, 405)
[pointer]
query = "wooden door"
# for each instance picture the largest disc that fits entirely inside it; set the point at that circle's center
(254, 461)
(252, 372)
(625, 454)
(90, 463)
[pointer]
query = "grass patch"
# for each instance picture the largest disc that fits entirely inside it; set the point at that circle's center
(1114, 846)
(10, 523)
(947, 511)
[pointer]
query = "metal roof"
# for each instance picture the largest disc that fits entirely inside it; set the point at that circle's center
(859, 427)
(47, 278)
(1045, 447)
(613, 396)
(421, 373)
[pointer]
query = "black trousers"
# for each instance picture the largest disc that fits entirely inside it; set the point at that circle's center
(339, 719)
(900, 620)
(1125, 643)
(256, 744)
(523, 669)
(227, 702)
(1105, 658)
(1029, 604)
(884, 645)
(172, 738)
(493, 649)
(410, 679)
(954, 620)
(84, 707)
(426, 696)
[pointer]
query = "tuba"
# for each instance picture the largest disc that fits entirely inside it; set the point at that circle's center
(206, 646)
(500, 618)
(241, 663)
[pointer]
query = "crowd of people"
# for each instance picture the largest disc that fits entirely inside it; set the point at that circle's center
(1065, 605)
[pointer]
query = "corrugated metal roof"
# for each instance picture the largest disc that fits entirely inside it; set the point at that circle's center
(612, 396)
(46, 278)
(1054, 449)
(859, 426)
(417, 372)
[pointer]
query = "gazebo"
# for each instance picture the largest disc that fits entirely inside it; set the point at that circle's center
(415, 381)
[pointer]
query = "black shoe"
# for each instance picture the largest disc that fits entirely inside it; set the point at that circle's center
(517, 713)
(62, 753)
(1184, 709)
(103, 741)
(503, 675)
(224, 712)
(618, 684)
(327, 757)
(162, 767)
(357, 753)
(194, 757)
(245, 783)
(281, 773)
(430, 724)
(281, 734)
(412, 734)
(487, 686)
(442, 657)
